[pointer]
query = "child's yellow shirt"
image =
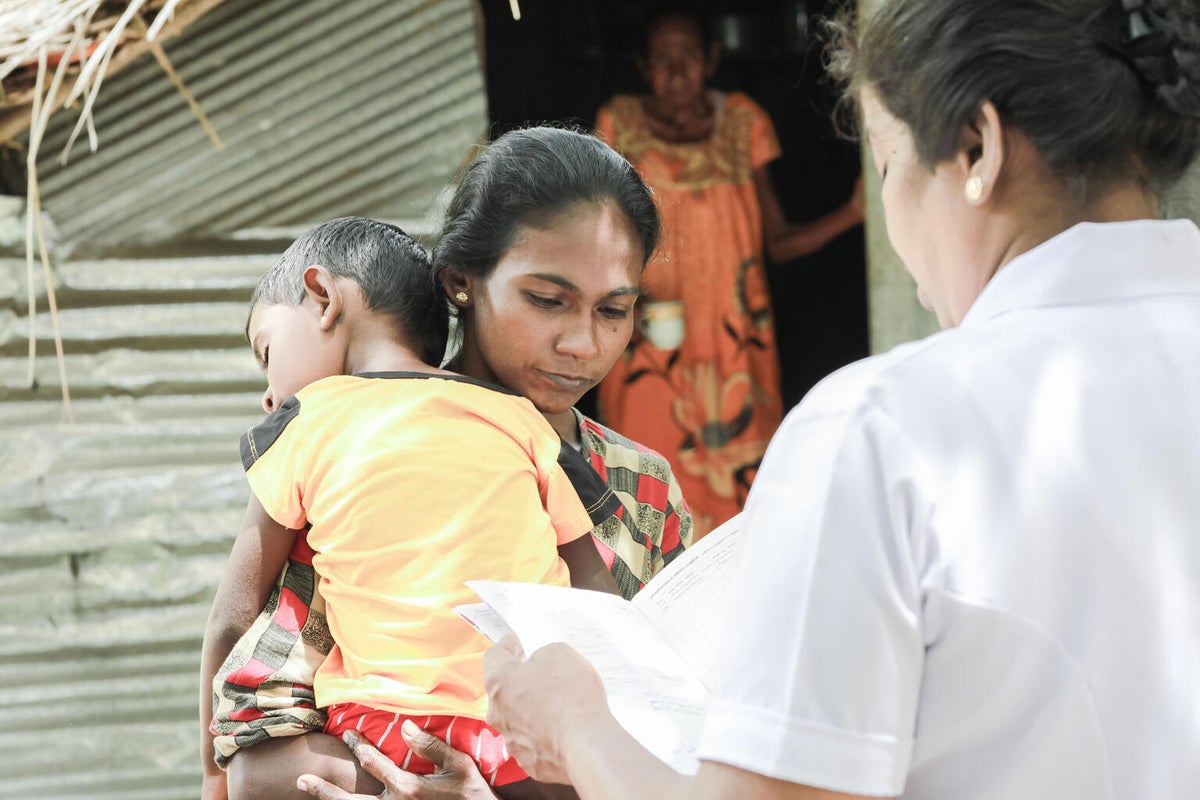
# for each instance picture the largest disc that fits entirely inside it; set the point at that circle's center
(413, 484)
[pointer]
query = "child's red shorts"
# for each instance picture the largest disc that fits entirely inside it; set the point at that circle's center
(472, 736)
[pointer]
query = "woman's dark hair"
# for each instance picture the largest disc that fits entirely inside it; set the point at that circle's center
(526, 178)
(393, 271)
(1105, 89)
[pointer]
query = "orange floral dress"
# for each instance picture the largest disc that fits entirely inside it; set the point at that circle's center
(712, 405)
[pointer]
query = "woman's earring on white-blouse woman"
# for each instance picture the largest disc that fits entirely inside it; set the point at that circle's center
(973, 189)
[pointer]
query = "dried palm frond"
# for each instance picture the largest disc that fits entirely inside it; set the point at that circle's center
(78, 40)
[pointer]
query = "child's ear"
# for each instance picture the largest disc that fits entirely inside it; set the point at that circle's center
(321, 289)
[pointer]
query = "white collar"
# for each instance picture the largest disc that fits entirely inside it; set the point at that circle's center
(1096, 262)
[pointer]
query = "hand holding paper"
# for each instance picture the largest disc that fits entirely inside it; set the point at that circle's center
(654, 655)
(555, 679)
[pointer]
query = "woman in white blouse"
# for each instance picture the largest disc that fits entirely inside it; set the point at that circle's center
(972, 564)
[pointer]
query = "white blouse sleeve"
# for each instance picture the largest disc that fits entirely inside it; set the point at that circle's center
(824, 642)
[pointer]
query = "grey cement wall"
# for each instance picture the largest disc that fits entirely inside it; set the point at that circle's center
(1183, 200)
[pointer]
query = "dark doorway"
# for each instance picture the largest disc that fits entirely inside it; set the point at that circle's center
(562, 60)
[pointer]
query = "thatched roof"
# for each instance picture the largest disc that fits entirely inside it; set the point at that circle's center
(66, 47)
(56, 53)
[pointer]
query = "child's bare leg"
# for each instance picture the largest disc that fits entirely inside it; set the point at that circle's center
(268, 770)
(529, 789)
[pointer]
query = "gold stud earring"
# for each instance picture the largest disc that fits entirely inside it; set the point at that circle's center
(462, 297)
(973, 189)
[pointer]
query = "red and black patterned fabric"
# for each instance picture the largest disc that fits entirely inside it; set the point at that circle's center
(474, 737)
(264, 688)
(652, 524)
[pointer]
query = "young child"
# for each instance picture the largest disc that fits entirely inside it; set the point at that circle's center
(410, 480)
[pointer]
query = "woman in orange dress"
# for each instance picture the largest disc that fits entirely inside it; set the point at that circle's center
(709, 401)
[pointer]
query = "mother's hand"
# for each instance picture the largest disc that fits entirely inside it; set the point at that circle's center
(455, 776)
(537, 702)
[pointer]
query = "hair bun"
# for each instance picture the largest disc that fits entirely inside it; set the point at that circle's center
(1162, 45)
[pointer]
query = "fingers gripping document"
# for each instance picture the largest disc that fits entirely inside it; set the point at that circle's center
(656, 654)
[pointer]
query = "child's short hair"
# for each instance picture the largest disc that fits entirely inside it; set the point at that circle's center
(391, 268)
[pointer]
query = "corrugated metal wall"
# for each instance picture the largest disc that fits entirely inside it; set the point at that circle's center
(114, 531)
(325, 107)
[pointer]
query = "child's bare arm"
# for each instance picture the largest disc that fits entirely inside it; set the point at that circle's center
(259, 553)
(588, 570)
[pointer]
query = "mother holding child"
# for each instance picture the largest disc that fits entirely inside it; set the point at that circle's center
(540, 258)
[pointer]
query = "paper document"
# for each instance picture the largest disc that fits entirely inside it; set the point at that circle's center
(656, 654)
